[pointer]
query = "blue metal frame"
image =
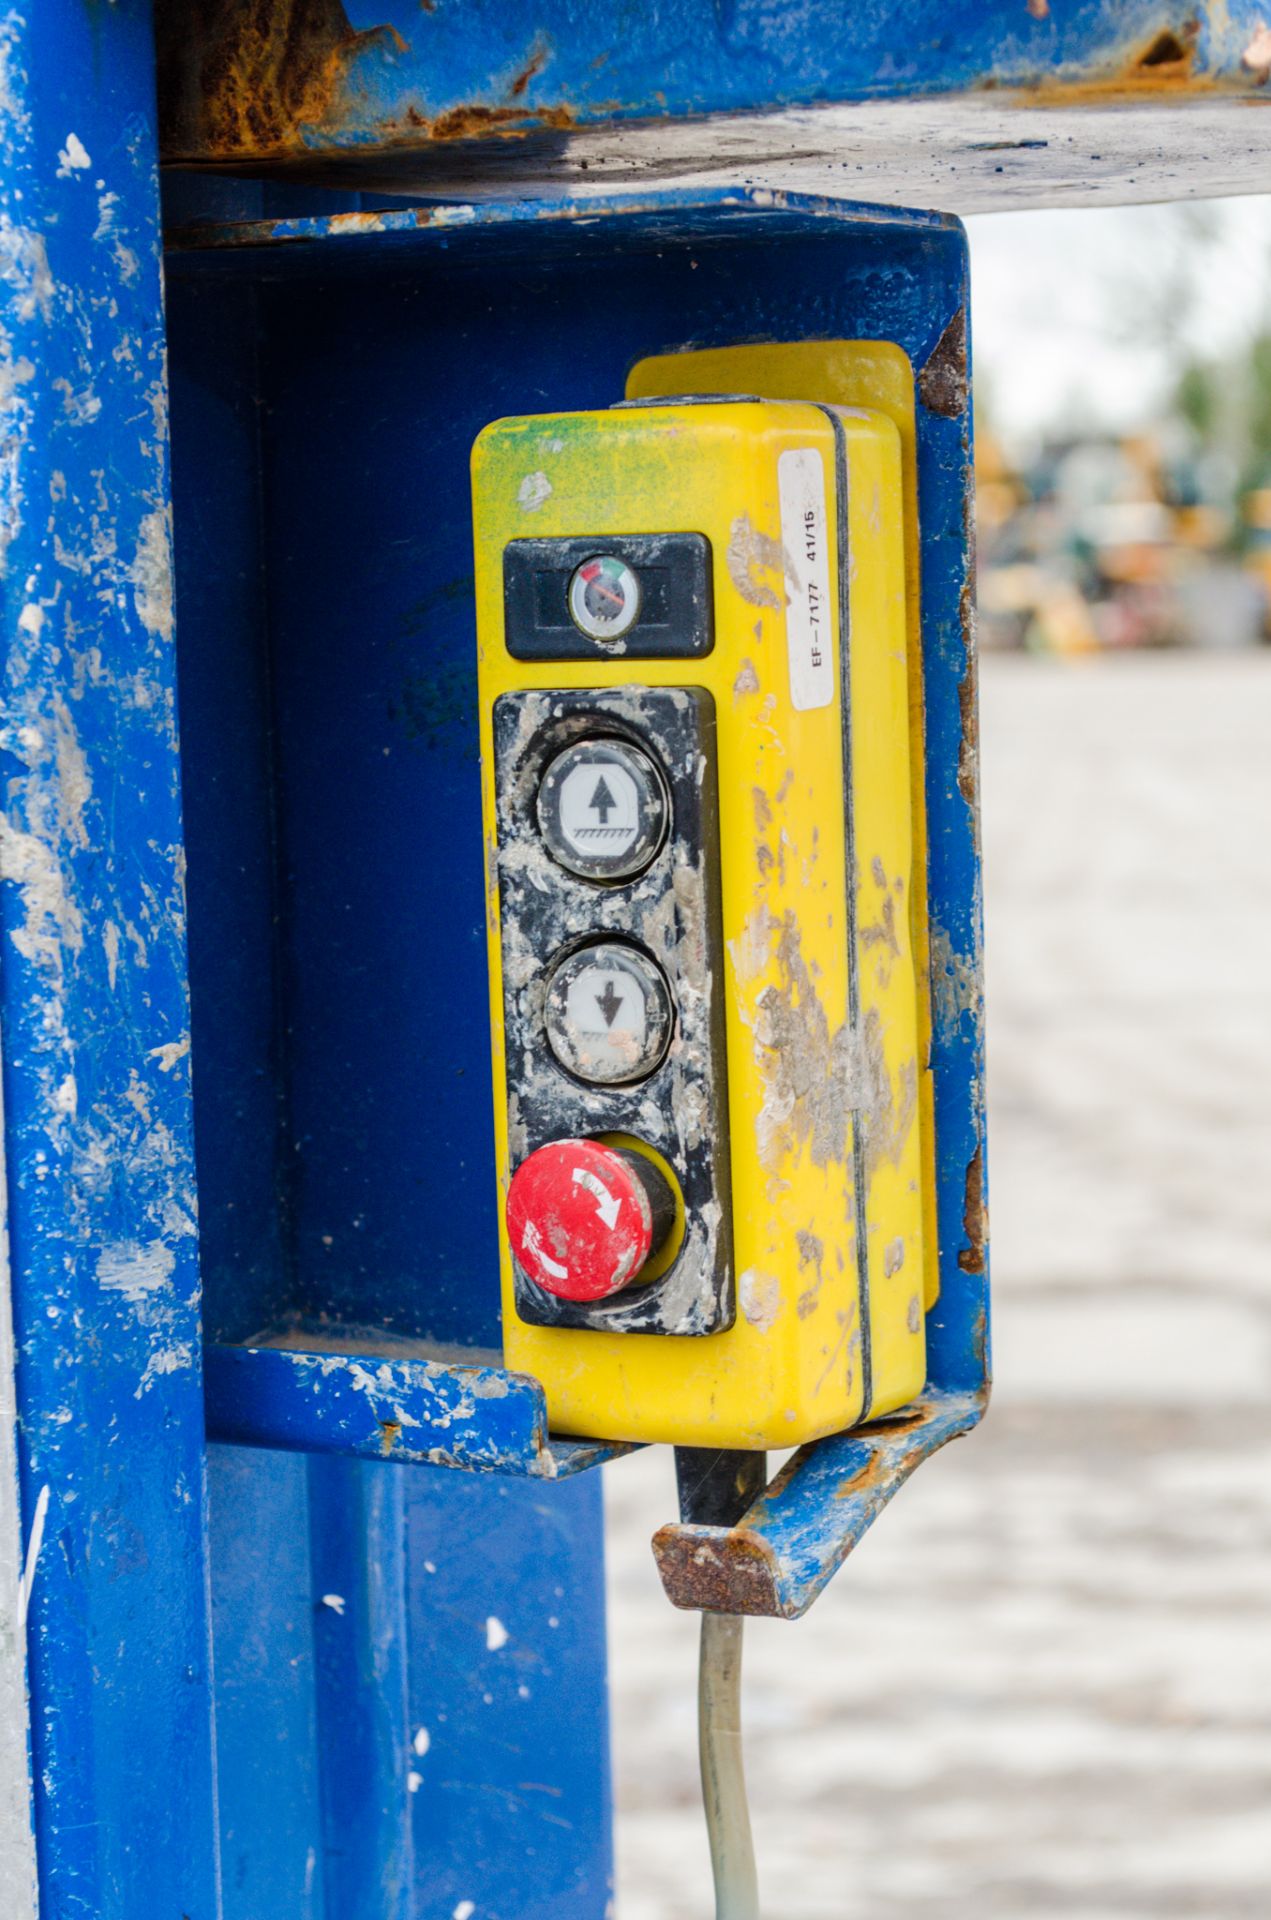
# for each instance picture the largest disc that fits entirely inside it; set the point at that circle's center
(410, 1692)
(93, 997)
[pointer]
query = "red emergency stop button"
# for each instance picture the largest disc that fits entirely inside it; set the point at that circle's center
(583, 1218)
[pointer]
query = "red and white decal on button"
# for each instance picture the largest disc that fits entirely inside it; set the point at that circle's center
(579, 1220)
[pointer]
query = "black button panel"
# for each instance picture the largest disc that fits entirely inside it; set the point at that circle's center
(613, 1001)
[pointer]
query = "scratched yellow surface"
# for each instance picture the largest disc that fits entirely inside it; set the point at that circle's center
(873, 374)
(801, 1075)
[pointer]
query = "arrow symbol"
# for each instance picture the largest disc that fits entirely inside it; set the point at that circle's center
(602, 801)
(532, 1241)
(610, 1003)
(608, 1205)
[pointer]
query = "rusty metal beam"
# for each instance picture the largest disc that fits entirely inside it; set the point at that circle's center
(965, 105)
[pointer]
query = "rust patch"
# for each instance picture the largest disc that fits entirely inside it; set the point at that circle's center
(942, 384)
(1164, 64)
(238, 77)
(390, 1434)
(470, 123)
(241, 79)
(895, 1423)
(716, 1572)
(865, 1476)
(969, 703)
(530, 71)
(974, 1216)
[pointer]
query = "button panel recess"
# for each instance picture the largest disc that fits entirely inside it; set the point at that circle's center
(647, 950)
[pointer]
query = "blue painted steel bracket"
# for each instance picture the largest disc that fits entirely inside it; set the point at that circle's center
(547, 304)
(420, 1412)
(94, 1012)
(788, 1546)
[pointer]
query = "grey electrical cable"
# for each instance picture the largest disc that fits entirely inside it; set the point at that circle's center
(723, 1771)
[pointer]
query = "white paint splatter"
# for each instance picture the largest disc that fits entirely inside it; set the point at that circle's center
(169, 1054)
(422, 1742)
(125, 259)
(496, 1634)
(53, 922)
(414, 1781)
(759, 1296)
(24, 266)
(533, 491)
(72, 158)
(35, 1541)
(134, 1270)
(465, 1910)
(74, 783)
(152, 574)
(14, 374)
(110, 941)
(173, 1359)
(80, 405)
(335, 1601)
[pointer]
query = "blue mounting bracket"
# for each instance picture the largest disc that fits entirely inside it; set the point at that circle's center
(786, 1548)
(332, 803)
(421, 1412)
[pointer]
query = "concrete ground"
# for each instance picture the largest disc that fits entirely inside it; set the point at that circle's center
(1042, 1686)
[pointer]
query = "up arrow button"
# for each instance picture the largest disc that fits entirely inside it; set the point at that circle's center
(603, 809)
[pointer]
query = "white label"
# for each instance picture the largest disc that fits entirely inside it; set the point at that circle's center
(805, 538)
(600, 808)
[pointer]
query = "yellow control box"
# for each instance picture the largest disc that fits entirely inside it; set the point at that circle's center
(706, 916)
